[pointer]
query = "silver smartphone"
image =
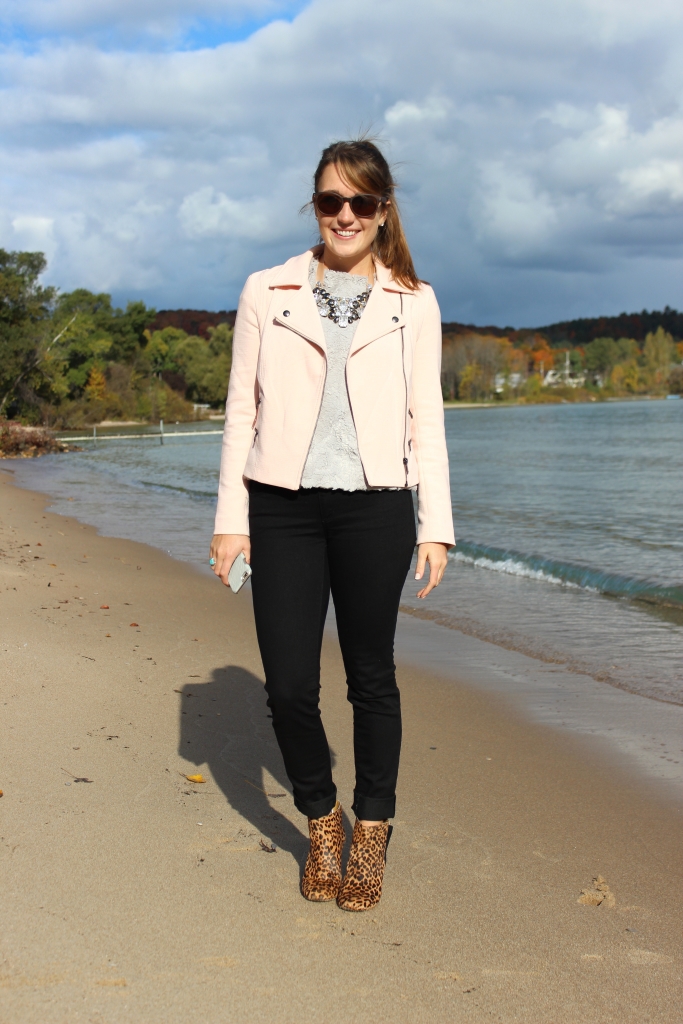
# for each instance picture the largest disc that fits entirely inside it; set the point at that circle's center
(240, 571)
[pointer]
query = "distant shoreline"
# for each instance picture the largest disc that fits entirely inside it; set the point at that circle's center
(558, 401)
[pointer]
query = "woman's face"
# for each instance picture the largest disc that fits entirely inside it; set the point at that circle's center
(346, 236)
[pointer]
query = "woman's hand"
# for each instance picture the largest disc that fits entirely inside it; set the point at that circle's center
(225, 547)
(437, 556)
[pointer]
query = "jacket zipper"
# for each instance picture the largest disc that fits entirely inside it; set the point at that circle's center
(254, 427)
(406, 443)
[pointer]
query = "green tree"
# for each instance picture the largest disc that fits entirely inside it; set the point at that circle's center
(659, 350)
(627, 349)
(600, 357)
(25, 330)
(124, 328)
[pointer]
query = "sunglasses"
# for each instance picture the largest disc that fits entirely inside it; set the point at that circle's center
(329, 204)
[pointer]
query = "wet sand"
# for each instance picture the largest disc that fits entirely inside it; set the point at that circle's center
(138, 896)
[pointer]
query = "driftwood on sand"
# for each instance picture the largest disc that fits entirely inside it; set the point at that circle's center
(20, 442)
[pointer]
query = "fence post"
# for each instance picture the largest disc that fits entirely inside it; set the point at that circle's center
(161, 430)
(94, 436)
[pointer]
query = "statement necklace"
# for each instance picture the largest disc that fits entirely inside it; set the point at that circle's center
(342, 311)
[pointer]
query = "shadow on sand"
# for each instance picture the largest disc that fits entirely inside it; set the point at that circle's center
(225, 724)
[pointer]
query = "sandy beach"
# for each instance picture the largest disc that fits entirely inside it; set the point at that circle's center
(133, 895)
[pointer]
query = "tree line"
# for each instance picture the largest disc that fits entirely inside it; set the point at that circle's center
(72, 359)
(481, 367)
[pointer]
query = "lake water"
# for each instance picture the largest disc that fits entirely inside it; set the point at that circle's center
(569, 521)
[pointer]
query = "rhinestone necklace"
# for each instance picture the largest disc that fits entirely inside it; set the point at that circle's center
(342, 311)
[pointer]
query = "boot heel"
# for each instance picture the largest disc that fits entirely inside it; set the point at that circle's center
(390, 832)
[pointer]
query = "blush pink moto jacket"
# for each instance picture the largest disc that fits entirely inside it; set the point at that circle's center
(276, 387)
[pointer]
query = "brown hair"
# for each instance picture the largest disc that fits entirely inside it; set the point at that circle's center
(365, 168)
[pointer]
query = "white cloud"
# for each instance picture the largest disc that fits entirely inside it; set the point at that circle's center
(539, 146)
(435, 108)
(34, 233)
(208, 213)
(660, 181)
(514, 213)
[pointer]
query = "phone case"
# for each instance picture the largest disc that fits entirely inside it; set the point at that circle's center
(240, 571)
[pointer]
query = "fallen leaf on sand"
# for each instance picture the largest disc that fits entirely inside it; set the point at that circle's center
(266, 847)
(53, 565)
(195, 778)
(599, 895)
(107, 634)
(105, 606)
(133, 623)
(0, 792)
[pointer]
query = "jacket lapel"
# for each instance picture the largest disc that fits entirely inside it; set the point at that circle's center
(295, 309)
(293, 305)
(382, 315)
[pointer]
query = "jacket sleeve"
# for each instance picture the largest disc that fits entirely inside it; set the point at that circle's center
(232, 511)
(434, 509)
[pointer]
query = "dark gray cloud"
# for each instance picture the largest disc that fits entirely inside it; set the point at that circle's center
(539, 145)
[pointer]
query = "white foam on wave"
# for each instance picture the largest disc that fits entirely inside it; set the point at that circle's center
(513, 567)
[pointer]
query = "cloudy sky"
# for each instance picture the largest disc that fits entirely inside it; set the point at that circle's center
(161, 149)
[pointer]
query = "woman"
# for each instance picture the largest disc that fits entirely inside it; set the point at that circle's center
(334, 414)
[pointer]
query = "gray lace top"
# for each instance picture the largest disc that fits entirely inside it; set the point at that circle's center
(333, 460)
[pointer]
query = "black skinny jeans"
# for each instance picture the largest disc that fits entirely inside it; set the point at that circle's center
(358, 545)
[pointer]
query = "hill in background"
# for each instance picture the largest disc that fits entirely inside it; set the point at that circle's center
(576, 333)
(566, 333)
(193, 321)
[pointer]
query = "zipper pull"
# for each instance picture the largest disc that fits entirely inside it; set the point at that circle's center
(255, 436)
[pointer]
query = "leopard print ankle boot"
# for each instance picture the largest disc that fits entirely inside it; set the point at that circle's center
(322, 874)
(362, 885)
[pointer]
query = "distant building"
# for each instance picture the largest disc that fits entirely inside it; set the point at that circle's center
(564, 376)
(512, 380)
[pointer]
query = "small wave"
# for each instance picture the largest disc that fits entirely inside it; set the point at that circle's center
(566, 574)
(188, 491)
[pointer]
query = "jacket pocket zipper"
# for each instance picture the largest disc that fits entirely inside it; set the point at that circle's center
(406, 443)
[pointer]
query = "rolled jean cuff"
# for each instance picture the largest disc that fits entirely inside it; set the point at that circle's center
(369, 808)
(317, 808)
